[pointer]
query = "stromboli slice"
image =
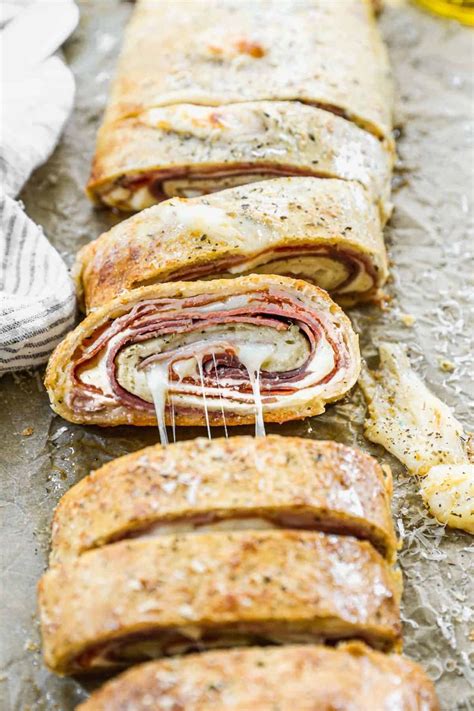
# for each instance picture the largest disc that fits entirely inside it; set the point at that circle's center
(204, 351)
(286, 482)
(351, 677)
(138, 599)
(187, 150)
(324, 231)
(321, 53)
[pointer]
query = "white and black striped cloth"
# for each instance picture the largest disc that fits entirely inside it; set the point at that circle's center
(37, 301)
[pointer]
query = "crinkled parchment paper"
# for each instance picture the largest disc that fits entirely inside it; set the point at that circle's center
(428, 239)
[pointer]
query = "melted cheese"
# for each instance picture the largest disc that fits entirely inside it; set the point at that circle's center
(183, 354)
(407, 419)
(448, 491)
(230, 524)
(422, 432)
(196, 187)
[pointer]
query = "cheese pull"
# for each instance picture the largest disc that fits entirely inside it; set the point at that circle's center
(350, 677)
(149, 597)
(326, 232)
(253, 349)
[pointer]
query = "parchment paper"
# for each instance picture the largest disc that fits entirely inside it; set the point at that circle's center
(429, 238)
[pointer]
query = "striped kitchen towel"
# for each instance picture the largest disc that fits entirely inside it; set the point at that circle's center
(37, 301)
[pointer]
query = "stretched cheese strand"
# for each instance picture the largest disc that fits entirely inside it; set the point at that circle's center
(203, 389)
(299, 352)
(158, 382)
(253, 357)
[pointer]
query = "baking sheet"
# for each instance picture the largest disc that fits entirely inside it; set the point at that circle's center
(41, 456)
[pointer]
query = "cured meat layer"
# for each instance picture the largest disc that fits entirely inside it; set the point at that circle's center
(233, 484)
(188, 150)
(135, 600)
(224, 351)
(309, 678)
(324, 231)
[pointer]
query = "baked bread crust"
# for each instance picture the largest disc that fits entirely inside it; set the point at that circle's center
(264, 583)
(173, 149)
(290, 481)
(212, 234)
(227, 52)
(351, 677)
(60, 382)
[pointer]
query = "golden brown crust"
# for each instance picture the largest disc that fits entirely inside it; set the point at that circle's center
(351, 677)
(283, 479)
(232, 226)
(225, 52)
(267, 582)
(246, 141)
(59, 379)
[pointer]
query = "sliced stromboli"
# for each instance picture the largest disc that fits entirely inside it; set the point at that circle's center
(241, 482)
(351, 677)
(324, 231)
(327, 54)
(216, 351)
(148, 597)
(187, 150)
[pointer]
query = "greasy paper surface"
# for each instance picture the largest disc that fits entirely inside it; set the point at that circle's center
(428, 240)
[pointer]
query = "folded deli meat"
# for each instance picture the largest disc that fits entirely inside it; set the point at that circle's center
(238, 483)
(234, 91)
(158, 595)
(351, 677)
(228, 351)
(324, 231)
(189, 150)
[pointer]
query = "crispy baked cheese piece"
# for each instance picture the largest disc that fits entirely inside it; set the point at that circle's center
(424, 434)
(242, 482)
(224, 351)
(324, 231)
(138, 599)
(351, 677)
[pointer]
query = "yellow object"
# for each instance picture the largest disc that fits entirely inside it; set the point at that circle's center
(461, 10)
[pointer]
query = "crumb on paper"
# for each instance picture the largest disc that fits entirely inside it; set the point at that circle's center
(446, 365)
(408, 320)
(31, 646)
(27, 432)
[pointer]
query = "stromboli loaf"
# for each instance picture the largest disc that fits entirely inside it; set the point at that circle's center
(203, 337)
(351, 677)
(324, 231)
(287, 482)
(232, 92)
(218, 52)
(146, 597)
(189, 150)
